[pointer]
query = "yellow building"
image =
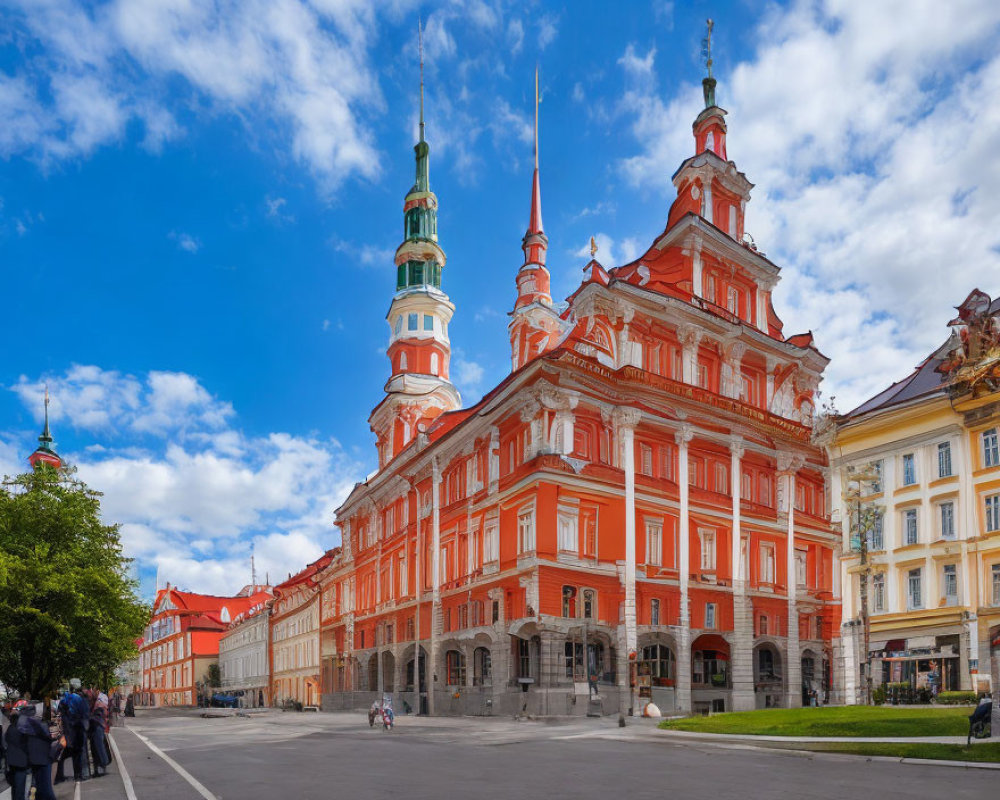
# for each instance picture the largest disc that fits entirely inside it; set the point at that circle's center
(933, 440)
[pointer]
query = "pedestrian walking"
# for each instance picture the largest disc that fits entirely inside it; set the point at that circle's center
(97, 732)
(29, 747)
(74, 712)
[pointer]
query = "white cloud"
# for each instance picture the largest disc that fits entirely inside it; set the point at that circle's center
(196, 492)
(304, 66)
(515, 33)
(548, 30)
(276, 209)
(186, 242)
(468, 376)
(366, 254)
(870, 131)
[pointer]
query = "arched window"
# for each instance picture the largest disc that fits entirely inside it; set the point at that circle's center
(569, 601)
(455, 668)
(224, 615)
(434, 363)
(710, 141)
(589, 604)
(658, 662)
(482, 667)
(402, 361)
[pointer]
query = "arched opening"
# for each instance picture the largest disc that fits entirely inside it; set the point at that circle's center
(373, 673)
(710, 663)
(525, 654)
(811, 679)
(388, 672)
(482, 667)
(423, 672)
(454, 668)
(657, 663)
(767, 675)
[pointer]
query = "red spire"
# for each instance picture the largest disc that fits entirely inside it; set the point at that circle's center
(535, 242)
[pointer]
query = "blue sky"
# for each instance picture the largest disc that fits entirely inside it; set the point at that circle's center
(199, 205)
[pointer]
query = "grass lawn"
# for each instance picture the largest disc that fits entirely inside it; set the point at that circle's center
(946, 752)
(876, 721)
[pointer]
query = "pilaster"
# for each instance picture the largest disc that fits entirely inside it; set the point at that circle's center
(683, 436)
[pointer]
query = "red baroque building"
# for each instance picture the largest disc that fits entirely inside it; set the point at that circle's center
(636, 512)
(181, 641)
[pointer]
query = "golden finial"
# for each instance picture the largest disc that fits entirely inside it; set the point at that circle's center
(593, 247)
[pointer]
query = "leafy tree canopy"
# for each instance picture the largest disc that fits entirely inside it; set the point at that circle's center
(68, 607)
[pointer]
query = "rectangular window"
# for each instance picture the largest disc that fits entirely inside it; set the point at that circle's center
(568, 539)
(710, 288)
(914, 591)
(733, 300)
(654, 543)
(876, 536)
(411, 322)
(667, 462)
(762, 626)
(991, 448)
(995, 572)
(710, 621)
(721, 479)
(428, 322)
(909, 470)
(526, 531)
(993, 512)
(645, 459)
(800, 569)
(950, 584)
(703, 376)
(910, 525)
(707, 538)
(491, 550)
(654, 611)
(877, 483)
(947, 520)
(944, 459)
(767, 563)
(878, 592)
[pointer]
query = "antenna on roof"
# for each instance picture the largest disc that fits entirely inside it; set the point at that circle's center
(420, 48)
(706, 46)
(253, 570)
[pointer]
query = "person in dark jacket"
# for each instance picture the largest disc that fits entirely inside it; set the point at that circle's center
(28, 751)
(74, 712)
(98, 742)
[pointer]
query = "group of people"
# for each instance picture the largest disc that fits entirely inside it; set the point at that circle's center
(29, 746)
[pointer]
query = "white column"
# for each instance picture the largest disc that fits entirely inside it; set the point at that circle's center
(626, 420)
(435, 584)
(736, 483)
(793, 671)
(682, 437)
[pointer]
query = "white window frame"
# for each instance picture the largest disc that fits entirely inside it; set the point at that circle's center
(910, 515)
(878, 591)
(991, 448)
(944, 460)
(909, 469)
(526, 531)
(491, 542)
(569, 534)
(767, 565)
(645, 460)
(946, 514)
(914, 579)
(707, 539)
(992, 509)
(995, 582)
(654, 543)
(949, 581)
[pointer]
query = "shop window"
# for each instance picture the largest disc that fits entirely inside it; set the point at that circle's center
(659, 664)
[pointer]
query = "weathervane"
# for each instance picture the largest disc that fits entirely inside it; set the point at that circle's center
(593, 247)
(706, 45)
(420, 49)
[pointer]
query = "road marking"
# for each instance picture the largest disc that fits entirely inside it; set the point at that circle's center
(198, 786)
(126, 779)
(76, 791)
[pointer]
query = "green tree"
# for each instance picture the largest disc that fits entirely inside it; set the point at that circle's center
(68, 607)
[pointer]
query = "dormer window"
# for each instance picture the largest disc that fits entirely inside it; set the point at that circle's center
(710, 141)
